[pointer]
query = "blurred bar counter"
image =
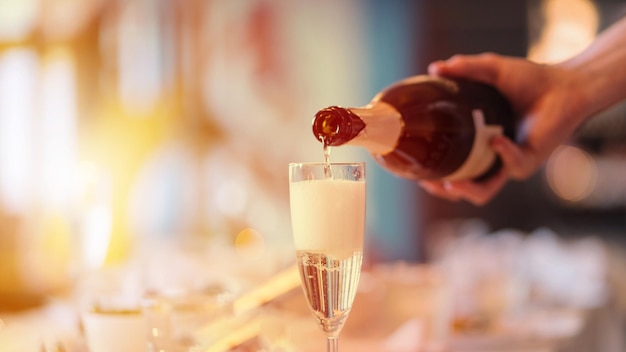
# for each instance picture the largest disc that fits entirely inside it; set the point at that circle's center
(499, 292)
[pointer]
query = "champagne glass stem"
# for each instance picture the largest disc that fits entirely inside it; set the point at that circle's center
(332, 344)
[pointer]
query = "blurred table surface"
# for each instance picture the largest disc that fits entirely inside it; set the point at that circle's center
(390, 314)
(57, 324)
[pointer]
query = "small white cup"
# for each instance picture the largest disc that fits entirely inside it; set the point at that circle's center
(120, 331)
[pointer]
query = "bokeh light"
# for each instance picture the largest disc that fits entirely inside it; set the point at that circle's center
(571, 173)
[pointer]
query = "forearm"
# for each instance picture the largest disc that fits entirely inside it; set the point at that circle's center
(601, 70)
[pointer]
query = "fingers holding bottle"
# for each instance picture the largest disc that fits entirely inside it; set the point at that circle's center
(477, 193)
(518, 163)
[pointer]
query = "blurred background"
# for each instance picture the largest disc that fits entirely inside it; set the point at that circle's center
(130, 122)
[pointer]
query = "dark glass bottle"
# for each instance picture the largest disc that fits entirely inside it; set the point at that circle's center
(425, 127)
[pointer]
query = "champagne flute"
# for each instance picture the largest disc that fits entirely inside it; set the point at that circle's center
(328, 219)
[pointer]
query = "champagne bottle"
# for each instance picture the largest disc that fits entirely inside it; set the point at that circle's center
(425, 127)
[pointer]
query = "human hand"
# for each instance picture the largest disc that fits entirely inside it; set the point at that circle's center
(544, 99)
(480, 193)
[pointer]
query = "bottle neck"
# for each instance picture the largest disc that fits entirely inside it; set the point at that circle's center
(383, 127)
(334, 125)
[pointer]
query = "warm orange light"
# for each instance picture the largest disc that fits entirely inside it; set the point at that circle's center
(570, 26)
(57, 127)
(18, 89)
(95, 219)
(249, 243)
(18, 18)
(571, 173)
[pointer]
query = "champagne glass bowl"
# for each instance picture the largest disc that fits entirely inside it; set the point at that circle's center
(328, 220)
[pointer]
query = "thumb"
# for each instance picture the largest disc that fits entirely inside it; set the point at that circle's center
(483, 67)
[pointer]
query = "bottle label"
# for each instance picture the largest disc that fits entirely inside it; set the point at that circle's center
(383, 127)
(482, 156)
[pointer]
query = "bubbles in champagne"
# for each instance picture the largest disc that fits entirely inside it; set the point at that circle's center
(330, 285)
(357, 174)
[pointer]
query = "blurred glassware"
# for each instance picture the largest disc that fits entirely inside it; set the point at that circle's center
(108, 330)
(416, 296)
(172, 321)
(213, 319)
(519, 286)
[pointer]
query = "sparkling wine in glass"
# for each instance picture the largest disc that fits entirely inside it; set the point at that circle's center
(328, 220)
